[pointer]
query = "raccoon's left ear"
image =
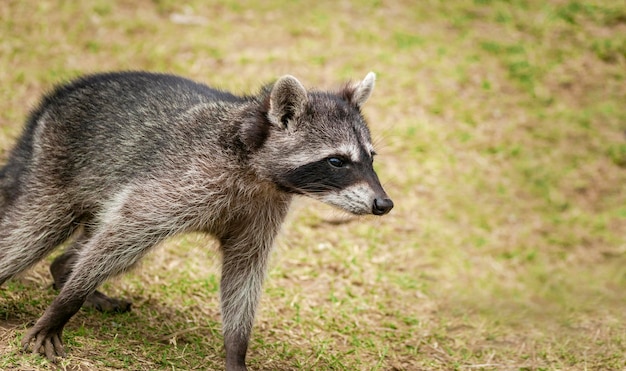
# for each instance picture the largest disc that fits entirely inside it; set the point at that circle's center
(287, 101)
(359, 93)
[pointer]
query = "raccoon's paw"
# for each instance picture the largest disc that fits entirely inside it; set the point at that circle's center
(106, 304)
(47, 342)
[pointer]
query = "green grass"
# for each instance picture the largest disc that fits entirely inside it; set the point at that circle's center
(501, 132)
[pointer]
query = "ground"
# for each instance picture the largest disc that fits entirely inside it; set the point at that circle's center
(501, 133)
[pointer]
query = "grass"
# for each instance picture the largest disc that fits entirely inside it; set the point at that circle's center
(500, 127)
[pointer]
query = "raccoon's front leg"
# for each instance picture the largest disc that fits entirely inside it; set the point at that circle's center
(243, 271)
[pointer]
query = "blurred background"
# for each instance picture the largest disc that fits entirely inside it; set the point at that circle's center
(501, 129)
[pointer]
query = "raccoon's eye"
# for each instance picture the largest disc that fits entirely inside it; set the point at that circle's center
(335, 162)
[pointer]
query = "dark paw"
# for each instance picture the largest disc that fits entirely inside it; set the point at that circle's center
(230, 366)
(47, 342)
(106, 304)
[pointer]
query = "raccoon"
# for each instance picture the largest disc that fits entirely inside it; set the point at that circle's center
(121, 161)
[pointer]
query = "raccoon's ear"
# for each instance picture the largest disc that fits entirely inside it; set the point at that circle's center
(287, 100)
(359, 93)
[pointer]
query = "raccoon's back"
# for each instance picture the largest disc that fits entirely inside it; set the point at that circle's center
(132, 95)
(115, 126)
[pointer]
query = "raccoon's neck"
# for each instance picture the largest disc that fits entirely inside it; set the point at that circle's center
(232, 136)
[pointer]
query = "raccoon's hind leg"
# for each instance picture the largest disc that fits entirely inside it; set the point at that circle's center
(61, 268)
(30, 228)
(120, 240)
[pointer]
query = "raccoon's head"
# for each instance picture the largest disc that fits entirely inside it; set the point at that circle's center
(318, 144)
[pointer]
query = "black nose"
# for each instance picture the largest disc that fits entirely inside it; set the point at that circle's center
(382, 206)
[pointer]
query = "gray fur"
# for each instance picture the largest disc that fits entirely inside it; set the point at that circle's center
(363, 89)
(124, 160)
(287, 101)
